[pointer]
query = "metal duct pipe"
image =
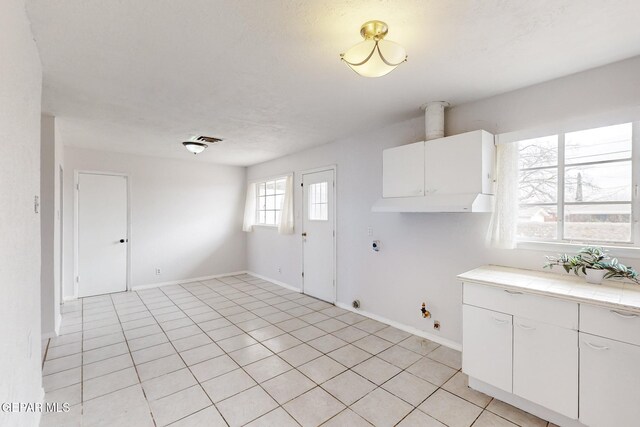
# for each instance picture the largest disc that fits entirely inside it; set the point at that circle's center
(434, 119)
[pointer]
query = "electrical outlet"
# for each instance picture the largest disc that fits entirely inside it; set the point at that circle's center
(369, 231)
(280, 270)
(158, 271)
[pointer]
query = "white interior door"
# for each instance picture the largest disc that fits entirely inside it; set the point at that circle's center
(318, 234)
(102, 234)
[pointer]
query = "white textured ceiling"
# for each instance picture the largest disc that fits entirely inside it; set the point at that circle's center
(140, 76)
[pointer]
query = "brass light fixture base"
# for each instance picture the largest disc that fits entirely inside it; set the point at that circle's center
(374, 30)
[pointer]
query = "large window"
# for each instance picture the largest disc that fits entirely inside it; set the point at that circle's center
(577, 186)
(270, 196)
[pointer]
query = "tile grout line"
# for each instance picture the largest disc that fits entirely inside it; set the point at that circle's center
(186, 289)
(414, 407)
(225, 353)
(322, 354)
(181, 358)
(132, 361)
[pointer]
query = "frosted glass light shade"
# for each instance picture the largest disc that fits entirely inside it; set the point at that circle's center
(374, 58)
(194, 147)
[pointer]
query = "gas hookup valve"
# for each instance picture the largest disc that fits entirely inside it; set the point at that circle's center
(425, 313)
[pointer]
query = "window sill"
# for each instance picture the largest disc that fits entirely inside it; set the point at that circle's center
(563, 247)
(265, 226)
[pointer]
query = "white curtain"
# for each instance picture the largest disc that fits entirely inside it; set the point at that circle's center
(250, 208)
(502, 228)
(286, 224)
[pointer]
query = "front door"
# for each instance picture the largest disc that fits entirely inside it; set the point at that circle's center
(102, 234)
(318, 234)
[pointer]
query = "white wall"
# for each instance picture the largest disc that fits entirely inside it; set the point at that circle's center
(186, 217)
(422, 253)
(20, 94)
(50, 163)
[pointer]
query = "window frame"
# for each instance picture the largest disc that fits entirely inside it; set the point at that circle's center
(264, 182)
(570, 244)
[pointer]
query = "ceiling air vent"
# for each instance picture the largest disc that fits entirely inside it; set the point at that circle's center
(209, 139)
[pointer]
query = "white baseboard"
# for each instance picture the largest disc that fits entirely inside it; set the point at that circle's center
(415, 331)
(39, 413)
(49, 335)
(277, 282)
(525, 405)
(435, 338)
(182, 281)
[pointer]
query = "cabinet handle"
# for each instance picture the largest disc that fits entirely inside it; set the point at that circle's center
(596, 347)
(513, 292)
(526, 328)
(500, 321)
(625, 315)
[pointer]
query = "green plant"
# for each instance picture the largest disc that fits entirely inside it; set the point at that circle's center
(595, 258)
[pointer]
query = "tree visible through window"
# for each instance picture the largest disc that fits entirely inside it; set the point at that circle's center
(577, 186)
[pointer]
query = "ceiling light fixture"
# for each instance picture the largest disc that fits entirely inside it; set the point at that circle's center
(374, 57)
(198, 143)
(195, 147)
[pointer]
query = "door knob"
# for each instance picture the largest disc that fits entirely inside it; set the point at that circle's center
(121, 240)
(304, 234)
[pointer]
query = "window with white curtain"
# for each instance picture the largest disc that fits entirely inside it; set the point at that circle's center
(270, 197)
(577, 186)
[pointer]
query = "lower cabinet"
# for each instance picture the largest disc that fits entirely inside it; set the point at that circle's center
(545, 365)
(487, 343)
(578, 360)
(609, 381)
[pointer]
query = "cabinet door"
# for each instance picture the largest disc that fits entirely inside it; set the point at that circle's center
(487, 346)
(545, 365)
(453, 165)
(403, 171)
(609, 379)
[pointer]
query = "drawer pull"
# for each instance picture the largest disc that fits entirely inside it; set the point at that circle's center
(526, 328)
(625, 315)
(500, 321)
(513, 292)
(596, 347)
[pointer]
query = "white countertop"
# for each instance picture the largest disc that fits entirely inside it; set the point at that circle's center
(612, 294)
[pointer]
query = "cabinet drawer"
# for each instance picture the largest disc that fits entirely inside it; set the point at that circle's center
(615, 324)
(543, 309)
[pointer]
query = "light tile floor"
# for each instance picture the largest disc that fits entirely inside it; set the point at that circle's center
(242, 351)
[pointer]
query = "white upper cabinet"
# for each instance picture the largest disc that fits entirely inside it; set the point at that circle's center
(460, 164)
(403, 171)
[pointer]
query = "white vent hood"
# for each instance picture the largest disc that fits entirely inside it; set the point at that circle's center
(452, 174)
(473, 202)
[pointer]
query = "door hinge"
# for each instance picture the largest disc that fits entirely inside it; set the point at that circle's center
(302, 184)
(77, 279)
(303, 274)
(334, 233)
(77, 186)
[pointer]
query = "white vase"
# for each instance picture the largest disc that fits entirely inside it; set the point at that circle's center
(595, 276)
